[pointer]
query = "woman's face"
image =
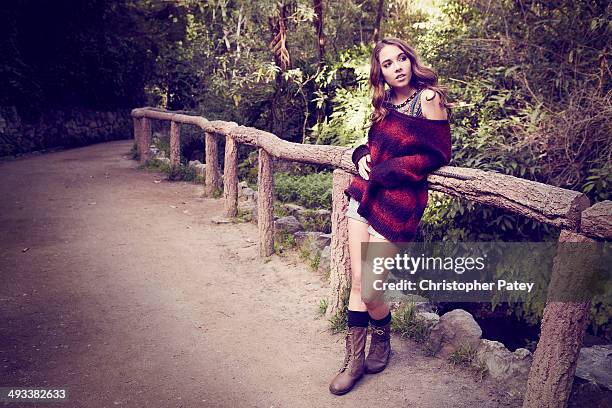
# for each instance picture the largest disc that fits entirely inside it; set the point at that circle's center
(395, 66)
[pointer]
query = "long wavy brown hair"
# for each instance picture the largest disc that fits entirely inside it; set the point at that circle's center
(422, 77)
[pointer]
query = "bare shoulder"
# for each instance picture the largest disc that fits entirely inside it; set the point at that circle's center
(432, 106)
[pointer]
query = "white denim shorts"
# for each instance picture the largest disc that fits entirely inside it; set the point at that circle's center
(351, 212)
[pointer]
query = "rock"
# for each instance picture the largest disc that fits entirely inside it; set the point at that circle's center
(595, 365)
(323, 241)
(313, 241)
(588, 394)
(199, 167)
(220, 220)
(424, 307)
(201, 170)
(456, 329)
(324, 262)
(249, 208)
(430, 319)
(288, 224)
(294, 209)
(323, 212)
(510, 369)
(242, 184)
(247, 194)
(303, 238)
(304, 212)
(164, 160)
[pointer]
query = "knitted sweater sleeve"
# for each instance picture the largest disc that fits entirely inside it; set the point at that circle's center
(358, 153)
(413, 167)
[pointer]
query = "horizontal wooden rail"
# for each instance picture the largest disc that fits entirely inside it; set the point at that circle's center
(552, 205)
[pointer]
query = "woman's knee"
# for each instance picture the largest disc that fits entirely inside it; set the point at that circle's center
(373, 300)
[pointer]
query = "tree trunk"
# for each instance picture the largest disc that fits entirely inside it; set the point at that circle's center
(379, 16)
(318, 23)
(279, 49)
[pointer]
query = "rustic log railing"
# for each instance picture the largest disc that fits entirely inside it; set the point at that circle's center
(563, 323)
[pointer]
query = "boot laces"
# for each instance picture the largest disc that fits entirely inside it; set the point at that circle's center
(349, 352)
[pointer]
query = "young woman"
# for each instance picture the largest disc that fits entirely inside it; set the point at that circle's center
(408, 138)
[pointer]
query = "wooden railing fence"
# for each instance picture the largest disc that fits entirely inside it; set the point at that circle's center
(563, 324)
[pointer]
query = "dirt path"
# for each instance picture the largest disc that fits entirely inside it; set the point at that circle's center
(129, 296)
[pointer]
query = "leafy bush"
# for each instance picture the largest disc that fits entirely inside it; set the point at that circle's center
(312, 190)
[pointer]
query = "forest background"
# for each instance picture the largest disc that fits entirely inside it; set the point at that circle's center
(529, 81)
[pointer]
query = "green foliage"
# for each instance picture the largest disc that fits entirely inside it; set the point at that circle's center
(134, 152)
(406, 324)
(217, 193)
(280, 210)
(179, 173)
(312, 259)
(322, 307)
(243, 216)
(338, 321)
(158, 165)
(283, 242)
(314, 221)
(352, 104)
(247, 170)
(182, 173)
(464, 355)
(312, 190)
(454, 219)
(534, 83)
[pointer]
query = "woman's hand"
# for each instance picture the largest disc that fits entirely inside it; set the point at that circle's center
(364, 168)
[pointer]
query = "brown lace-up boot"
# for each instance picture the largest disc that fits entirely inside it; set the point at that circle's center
(353, 366)
(380, 349)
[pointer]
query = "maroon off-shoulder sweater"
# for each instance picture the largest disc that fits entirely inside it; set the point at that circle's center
(404, 150)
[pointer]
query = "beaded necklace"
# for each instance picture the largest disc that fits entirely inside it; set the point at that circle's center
(410, 107)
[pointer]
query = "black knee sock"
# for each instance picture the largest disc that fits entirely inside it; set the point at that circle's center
(382, 322)
(360, 319)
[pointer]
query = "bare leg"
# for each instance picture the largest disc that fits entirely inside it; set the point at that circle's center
(357, 233)
(377, 309)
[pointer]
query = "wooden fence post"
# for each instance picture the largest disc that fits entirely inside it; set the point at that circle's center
(340, 262)
(145, 139)
(265, 204)
(213, 178)
(175, 146)
(563, 326)
(230, 177)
